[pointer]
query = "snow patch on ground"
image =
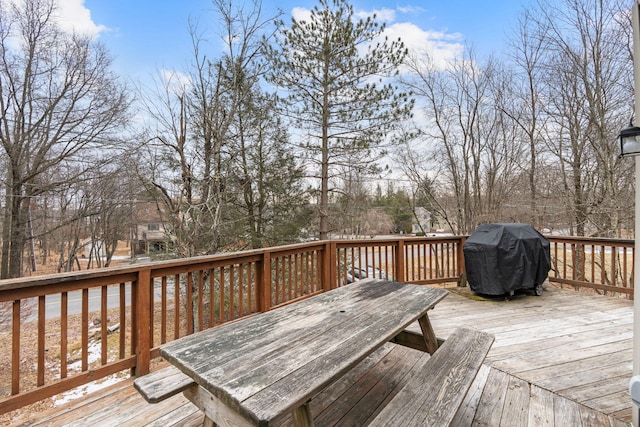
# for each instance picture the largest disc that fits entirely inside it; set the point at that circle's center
(94, 355)
(85, 389)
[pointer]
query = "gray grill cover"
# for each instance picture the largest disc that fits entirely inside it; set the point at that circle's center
(501, 258)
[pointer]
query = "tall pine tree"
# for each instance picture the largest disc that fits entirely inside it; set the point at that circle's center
(335, 71)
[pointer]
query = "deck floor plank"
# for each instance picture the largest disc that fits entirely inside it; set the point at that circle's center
(180, 415)
(386, 356)
(561, 382)
(585, 392)
(541, 365)
(467, 411)
(540, 407)
(367, 399)
(516, 403)
(492, 401)
(588, 337)
(566, 412)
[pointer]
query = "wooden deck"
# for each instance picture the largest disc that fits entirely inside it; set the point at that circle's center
(561, 359)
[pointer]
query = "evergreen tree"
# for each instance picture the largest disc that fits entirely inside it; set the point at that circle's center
(334, 70)
(271, 203)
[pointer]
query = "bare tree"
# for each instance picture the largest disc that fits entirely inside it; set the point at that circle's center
(111, 194)
(350, 199)
(194, 115)
(472, 147)
(523, 103)
(58, 101)
(587, 83)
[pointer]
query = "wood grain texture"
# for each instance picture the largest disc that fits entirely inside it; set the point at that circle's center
(540, 407)
(466, 413)
(489, 412)
(436, 391)
(270, 364)
(215, 410)
(413, 340)
(162, 384)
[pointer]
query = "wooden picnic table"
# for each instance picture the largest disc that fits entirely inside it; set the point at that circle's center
(252, 371)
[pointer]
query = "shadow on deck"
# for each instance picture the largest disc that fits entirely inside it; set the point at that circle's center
(561, 359)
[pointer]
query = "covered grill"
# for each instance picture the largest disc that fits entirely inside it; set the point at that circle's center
(502, 258)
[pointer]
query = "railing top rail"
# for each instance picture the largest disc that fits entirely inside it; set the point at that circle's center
(591, 240)
(394, 240)
(127, 273)
(98, 275)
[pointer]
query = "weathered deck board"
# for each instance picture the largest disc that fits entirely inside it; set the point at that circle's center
(540, 407)
(559, 359)
(364, 397)
(467, 411)
(575, 345)
(489, 411)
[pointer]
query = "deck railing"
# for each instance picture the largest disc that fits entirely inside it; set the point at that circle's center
(70, 329)
(604, 265)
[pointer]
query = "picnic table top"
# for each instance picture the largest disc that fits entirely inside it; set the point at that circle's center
(266, 365)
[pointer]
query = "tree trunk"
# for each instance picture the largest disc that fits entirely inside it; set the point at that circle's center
(17, 233)
(6, 233)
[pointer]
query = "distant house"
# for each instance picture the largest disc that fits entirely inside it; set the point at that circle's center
(150, 233)
(422, 220)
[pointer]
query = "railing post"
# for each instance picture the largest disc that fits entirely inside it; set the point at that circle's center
(264, 283)
(143, 321)
(328, 267)
(398, 274)
(462, 272)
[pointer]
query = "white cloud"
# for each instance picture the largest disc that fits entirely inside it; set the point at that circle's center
(411, 9)
(73, 16)
(301, 14)
(441, 47)
(384, 15)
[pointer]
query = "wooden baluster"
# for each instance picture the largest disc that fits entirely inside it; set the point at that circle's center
(123, 318)
(212, 301)
(85, 329)
(163, 309)
(232, 292)
(176, 306)
(64, 321)
(200, 299)
(222, 301)
(104, 345)
(41, 337)
(190, 316)
(15, 348)
(241, 289)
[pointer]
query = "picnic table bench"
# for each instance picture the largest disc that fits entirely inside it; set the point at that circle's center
(252, 371)
(437, 389)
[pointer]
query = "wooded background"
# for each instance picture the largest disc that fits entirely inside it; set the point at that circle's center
(307, 129)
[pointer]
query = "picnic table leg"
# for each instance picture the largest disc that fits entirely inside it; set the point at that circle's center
(430, 339)
(302, 416)
(214, 408)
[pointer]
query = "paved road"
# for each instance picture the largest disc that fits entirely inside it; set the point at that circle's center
(53, 306)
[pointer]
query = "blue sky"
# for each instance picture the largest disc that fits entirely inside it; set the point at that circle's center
(145, 36)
